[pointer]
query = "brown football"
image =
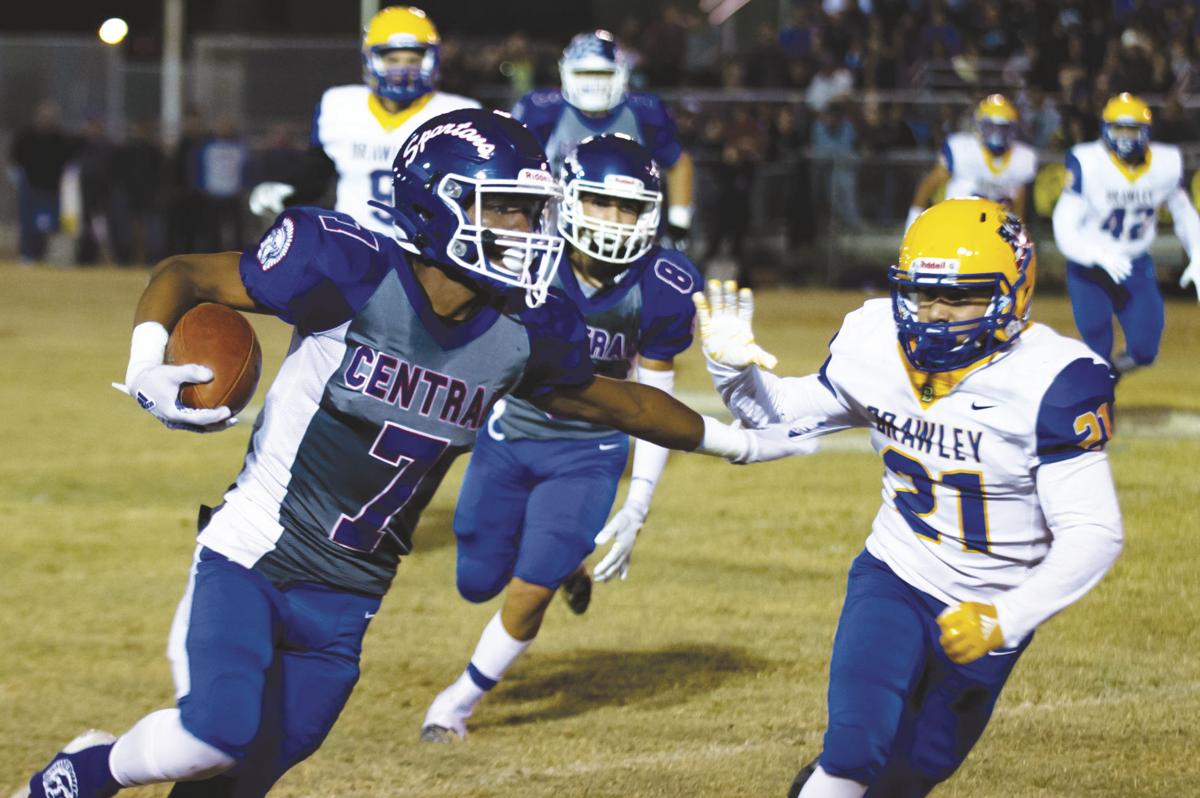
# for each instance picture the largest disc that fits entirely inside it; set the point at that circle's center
(220, 338)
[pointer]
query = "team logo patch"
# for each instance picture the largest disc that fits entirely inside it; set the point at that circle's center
(462, 130)
(59, 780)
(275, 244)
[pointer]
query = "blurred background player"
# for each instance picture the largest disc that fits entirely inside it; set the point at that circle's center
(999, 508)
(595, 99)
(399, 348)
(988, 163)
(1105, 222)
(539, 488)
(356, 130)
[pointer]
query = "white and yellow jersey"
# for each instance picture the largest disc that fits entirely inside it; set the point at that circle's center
(1122, 202)
(974, 172)
(961, 518)
(361, 137)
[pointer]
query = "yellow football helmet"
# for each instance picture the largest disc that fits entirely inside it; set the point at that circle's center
(969, 245)
(401, 28)
(1125, 127)
(996, 120)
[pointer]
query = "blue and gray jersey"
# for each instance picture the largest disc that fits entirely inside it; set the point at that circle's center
(648, 312)
(560, 127)
(375, 399)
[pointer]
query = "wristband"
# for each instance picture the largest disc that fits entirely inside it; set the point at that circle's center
(147, 347)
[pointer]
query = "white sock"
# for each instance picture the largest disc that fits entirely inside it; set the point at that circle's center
(496, 652)
(821, 785)
(159, 749)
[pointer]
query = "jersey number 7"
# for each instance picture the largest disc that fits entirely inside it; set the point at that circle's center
(412, 453)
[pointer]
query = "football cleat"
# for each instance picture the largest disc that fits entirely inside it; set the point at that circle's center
(79, 770)
(433, 733)
(577, 590)
(445, 720)
(802, 777)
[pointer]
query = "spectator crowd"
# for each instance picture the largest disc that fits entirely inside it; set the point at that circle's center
(842, 83)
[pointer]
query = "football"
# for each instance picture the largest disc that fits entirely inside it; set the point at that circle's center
(220, 338)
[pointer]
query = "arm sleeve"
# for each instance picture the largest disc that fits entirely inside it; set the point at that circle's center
(1068, 219)
(649, 459)
(1186, 220)
(1079, 502)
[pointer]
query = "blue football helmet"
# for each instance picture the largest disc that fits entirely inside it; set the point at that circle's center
(611, 165)
(442, 178)
(594, 71)
(972, 247)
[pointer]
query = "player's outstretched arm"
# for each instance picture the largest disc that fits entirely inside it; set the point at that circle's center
(176, 285)
(652, 415)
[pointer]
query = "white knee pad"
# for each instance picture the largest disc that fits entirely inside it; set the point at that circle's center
(159, 749)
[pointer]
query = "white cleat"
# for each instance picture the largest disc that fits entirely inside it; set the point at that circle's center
(445, 721)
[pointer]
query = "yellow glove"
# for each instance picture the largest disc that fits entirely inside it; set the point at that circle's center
(724, 318)
(969, 631)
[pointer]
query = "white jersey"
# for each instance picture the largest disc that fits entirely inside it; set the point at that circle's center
(975, 173)
(361, 138)
(961, 519)
(1122, 203)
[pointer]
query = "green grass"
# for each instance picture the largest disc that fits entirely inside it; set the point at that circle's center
(703, 675)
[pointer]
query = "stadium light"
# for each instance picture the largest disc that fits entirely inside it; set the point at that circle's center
(113, 31)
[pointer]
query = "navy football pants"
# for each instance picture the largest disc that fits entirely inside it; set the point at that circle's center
(1137, 303)
(264, 672)
(531, 508)
(902, 716)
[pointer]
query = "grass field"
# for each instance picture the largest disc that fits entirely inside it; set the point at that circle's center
(702, 675)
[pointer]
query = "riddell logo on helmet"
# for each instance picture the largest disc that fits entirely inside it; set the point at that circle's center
(536, 176)
(462, 130)
(936, 265)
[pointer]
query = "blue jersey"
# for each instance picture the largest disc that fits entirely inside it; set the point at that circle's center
(648, 312)
(560, 127)
(376, 397)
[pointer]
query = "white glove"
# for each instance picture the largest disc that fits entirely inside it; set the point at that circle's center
(725, 319)
(913, 213)
(266, 199)
(156, 389)
(772, 442)
(1191, 276)
(1117, 265)
(623, 526)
